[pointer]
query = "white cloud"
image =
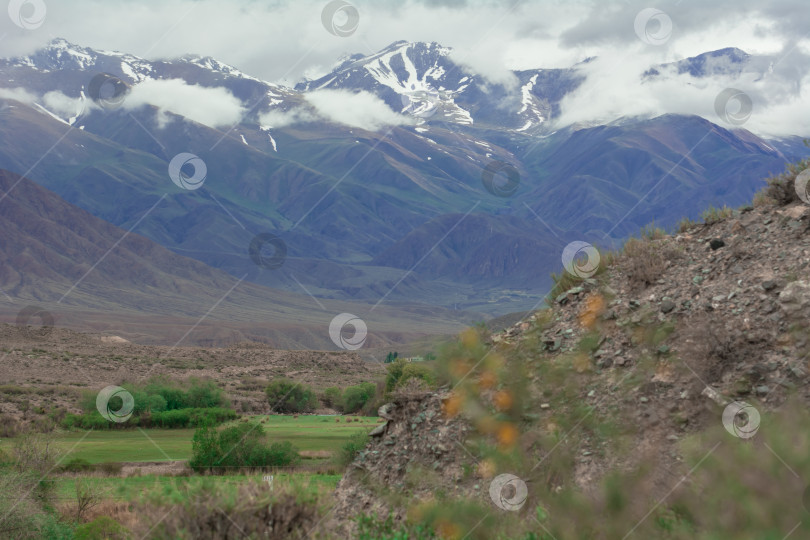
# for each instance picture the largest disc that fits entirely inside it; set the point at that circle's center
(614, 89)
(214, 107)
(62, 105)
(362, 110)
(279, 119)
(18, 94)
(283, 40)
(493, 68)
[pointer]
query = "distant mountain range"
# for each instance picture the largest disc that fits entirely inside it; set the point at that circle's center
(77, 266)
(397, 214)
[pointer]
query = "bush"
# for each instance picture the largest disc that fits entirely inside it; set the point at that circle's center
(176, 418)
(26, 493)
(252, 510)
(781, 188)
(158, 402)
(242, 445)
(395, 370)
(713, 215)
(401, 371)
(103, 527)
(417, 371)
(642, 261)
(9, 427)
(76, 465)
(355, 397)
(332, 397)
(286, 396)
(351, 448)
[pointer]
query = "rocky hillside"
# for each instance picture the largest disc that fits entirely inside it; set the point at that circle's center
(634, 371)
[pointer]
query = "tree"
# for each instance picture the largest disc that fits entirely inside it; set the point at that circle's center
(87, 497)
(286, 396)
(394, 374)
(355, 397)
(332, 397)
(417, 371)
(400, 371)
(242, 445)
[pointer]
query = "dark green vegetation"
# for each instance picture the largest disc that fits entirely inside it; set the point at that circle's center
(401, 371)
(286, 396)
(239, 446)
(349, 450)
(159, 403)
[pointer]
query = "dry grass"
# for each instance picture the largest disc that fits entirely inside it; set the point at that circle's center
(642, 261)
(256, 511)
(781, 188)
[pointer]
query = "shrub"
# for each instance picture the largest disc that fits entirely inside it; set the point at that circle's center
(417, 371)
(642, 261)
(713, 215)
(76, 465)
(242, 445)
(34, 452)
(351, 448)
(26, 493)
(781, 188)
(102, 527)
(176, 418)
(88, 496)
(286, 396)
(332, 397)
(355, 397)
(254, 510)
(395, 370)
(158, 402)
(9, 427)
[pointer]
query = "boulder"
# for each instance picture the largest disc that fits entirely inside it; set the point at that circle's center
(795, 299)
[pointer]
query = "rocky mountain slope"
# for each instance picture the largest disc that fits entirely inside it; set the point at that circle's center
(374, 210)
(91, 275)
(635, 370)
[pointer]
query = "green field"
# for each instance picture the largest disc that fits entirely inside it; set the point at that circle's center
(307, 433)
(170, 488)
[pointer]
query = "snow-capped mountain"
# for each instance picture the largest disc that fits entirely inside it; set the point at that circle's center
(424, 80)
(729, 62)
(361, 208)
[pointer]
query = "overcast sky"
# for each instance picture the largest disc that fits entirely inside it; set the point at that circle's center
(283, 41)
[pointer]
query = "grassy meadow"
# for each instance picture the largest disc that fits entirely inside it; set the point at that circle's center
(309, 434)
